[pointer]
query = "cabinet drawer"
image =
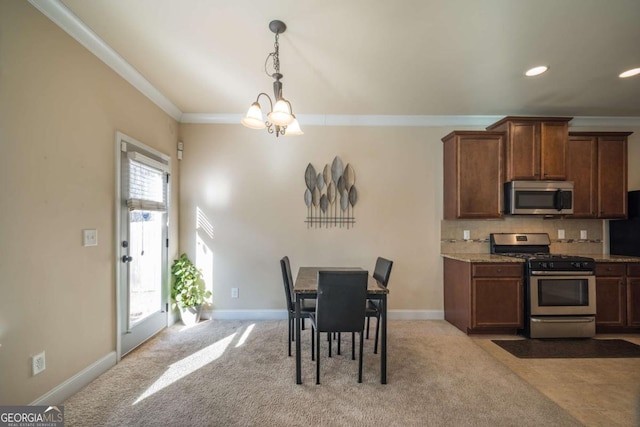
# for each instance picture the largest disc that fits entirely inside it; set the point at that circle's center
(497, 270)
(611, 269)
(633, 269)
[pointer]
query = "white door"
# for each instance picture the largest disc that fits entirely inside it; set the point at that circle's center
(142, 243)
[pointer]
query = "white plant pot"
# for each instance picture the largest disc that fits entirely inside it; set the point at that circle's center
(190, 315)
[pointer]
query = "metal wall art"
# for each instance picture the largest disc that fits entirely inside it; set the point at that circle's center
(330, 195)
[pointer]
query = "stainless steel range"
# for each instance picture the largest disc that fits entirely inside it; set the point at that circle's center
(560, 290)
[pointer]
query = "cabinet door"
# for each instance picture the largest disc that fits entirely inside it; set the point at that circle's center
(582, 156)
(553, 150)
(633, 301)
(473, 175)
(497, 302)
(610, 301)
(612, 177)
(523, 151)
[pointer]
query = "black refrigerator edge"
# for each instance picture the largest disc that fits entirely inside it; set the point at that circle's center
(624, 235)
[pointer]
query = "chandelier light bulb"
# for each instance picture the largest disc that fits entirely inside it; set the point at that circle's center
(281, 115)
(293, 128)
(253, 118)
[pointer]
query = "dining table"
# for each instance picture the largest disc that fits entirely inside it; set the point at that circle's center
(306, 287)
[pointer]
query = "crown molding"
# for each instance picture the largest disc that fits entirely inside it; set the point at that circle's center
(69, 22)
(406, 121)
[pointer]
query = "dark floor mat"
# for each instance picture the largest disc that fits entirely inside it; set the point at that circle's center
(569, 348)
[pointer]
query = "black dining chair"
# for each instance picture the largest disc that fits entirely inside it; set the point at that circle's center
(340, 307)
(381, 273)
(306, 307)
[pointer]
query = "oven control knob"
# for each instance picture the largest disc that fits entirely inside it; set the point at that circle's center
(550, 265)
(545, 265)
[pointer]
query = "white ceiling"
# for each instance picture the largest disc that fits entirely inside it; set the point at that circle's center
(366, 57)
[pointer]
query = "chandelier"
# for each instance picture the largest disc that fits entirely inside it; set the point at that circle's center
(280, 119)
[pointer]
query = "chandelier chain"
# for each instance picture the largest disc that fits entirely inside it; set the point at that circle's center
(276, 58)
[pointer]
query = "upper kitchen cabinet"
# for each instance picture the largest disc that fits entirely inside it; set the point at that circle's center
(536, 147)
(597, 164)
(473, 174)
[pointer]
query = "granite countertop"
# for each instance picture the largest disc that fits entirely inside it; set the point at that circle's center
(612, 258)
(482, 258)
(500, 258)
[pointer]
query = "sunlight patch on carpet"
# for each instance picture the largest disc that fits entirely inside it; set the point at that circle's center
(188, 365)
(245, 335)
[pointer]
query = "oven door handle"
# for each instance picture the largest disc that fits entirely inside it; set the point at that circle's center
(563, 320)
(561, 273)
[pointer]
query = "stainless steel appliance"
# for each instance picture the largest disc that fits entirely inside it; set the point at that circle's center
(538, 197)
(624, 235)
(560, 290)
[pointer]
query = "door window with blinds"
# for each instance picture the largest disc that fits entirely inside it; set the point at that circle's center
(143, 231)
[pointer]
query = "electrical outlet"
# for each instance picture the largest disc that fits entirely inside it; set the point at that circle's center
(90, 237)
(560, 234)
(234, 292)
(466, 235)
(583, 234)
(37, 364)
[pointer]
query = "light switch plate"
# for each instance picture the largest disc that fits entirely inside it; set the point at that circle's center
(466, 235)
(560, 234)
(583, 234)
(90, 237)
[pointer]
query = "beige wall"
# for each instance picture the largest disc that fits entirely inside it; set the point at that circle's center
(250, 186)
(60, 108)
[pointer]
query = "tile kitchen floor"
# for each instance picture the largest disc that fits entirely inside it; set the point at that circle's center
(598, 392)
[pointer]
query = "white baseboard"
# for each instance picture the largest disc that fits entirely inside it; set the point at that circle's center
(282, 314)
(77, 382)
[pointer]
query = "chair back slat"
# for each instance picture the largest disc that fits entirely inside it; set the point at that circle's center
(341, 302)
(287, 281)
(382, 271)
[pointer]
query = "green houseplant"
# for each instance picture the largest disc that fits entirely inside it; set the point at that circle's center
(188, 291)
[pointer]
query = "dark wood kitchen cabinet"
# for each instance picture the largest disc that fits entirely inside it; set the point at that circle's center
(536, 147)
(617, 297)
(473, 174)
(597, 164)
(483, 297)
(633, 295)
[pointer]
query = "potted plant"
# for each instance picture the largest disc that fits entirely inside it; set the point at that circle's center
(188, 292)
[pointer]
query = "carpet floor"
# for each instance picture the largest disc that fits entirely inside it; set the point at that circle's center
(228, 373)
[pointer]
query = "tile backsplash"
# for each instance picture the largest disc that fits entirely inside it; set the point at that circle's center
(452, 233)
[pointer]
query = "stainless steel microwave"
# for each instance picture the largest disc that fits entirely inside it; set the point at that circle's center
(538, 197)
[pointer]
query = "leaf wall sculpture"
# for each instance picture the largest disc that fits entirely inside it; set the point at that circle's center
(330, 195)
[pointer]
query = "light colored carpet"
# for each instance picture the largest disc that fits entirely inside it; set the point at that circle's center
(227, 373)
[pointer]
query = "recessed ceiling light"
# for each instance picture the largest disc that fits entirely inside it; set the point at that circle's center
(630, 73)
(536, 71)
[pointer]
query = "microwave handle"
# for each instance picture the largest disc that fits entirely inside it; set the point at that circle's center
(559, 203)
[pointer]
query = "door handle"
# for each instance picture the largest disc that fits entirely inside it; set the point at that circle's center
(126, 258)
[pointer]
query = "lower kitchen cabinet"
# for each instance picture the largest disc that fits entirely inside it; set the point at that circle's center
(483, 297)
(617, 297)
(633, 295)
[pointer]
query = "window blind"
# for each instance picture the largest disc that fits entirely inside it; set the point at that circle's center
(146, 184)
